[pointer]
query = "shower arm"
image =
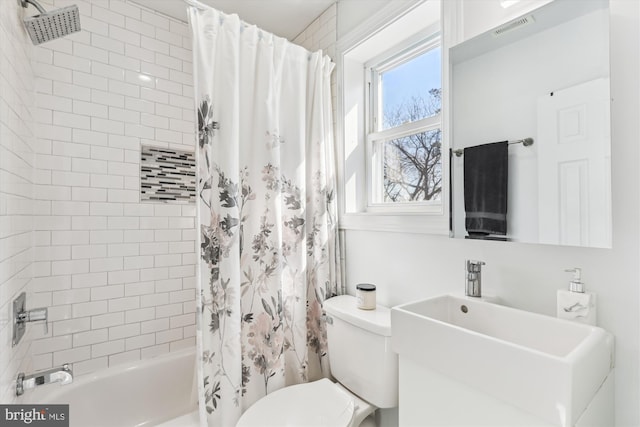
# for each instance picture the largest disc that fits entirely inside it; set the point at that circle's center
(34, 3)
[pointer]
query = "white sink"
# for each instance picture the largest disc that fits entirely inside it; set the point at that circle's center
(545, 366)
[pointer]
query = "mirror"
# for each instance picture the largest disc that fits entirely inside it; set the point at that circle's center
(544, 76)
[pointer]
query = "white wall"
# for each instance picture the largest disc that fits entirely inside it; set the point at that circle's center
(412, 266)
(116, 274)
(16, 177)
(352, 12)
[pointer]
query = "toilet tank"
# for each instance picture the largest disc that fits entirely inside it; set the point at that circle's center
(360, 354)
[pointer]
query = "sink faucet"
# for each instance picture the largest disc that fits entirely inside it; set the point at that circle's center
(63, 375)
(474, 279)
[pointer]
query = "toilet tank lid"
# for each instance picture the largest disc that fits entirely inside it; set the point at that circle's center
(345, 307)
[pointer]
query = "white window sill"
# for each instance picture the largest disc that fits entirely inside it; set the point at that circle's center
(415, 223)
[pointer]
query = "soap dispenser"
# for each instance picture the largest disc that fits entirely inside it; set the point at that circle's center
(575, 303)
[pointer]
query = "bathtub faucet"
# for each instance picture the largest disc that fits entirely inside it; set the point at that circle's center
(63, 375)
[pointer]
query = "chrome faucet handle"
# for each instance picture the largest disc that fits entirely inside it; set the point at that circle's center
(35, 315)
(22, 316)
(40, 315)
(474, 266)
(473, 284)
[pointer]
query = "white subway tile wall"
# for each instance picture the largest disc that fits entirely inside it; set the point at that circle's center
(321, 34)
(17, 164)
(118, 274)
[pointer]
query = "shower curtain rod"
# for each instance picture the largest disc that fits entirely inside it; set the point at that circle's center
(202, 6)
(526, 142)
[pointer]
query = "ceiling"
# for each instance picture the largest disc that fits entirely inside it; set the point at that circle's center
(285, 18)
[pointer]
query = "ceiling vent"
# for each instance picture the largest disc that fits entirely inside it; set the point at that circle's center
(513, 25)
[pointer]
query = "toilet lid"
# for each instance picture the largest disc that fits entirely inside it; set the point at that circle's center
(319, 403)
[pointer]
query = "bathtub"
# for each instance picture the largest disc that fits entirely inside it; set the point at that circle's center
(151, 392)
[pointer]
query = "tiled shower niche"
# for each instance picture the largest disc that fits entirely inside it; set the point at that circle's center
(167, 175)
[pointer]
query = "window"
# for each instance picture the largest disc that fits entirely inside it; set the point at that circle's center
(405, 139)
(389, 126)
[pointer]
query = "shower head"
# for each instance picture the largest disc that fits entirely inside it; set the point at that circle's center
(51, 25)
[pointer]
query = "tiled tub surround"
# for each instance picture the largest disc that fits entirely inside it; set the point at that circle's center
(116, 274)
(17, 143)
(322, 34)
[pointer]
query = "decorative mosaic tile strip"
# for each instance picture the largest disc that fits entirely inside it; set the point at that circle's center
(167, 175)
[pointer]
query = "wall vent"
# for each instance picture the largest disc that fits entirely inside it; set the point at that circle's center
(513, 25)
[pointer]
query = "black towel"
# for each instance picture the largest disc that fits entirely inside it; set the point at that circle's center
(486, 170)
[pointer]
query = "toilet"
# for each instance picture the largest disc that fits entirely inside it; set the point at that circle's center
(362, 362)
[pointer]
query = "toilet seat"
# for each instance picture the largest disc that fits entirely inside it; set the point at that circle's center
(315, 404)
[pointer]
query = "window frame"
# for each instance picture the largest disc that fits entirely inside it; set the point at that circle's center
(398, 55)
(393, 23)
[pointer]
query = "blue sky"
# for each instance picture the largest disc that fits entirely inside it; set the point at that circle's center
(415, 77)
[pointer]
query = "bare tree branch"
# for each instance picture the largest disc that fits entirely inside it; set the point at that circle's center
(412, 164)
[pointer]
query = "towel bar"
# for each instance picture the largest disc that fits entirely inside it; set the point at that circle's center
(526, 142)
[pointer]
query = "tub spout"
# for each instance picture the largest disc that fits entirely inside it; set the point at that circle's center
(62, 375)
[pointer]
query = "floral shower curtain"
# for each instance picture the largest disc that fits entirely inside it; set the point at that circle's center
(266, 210)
